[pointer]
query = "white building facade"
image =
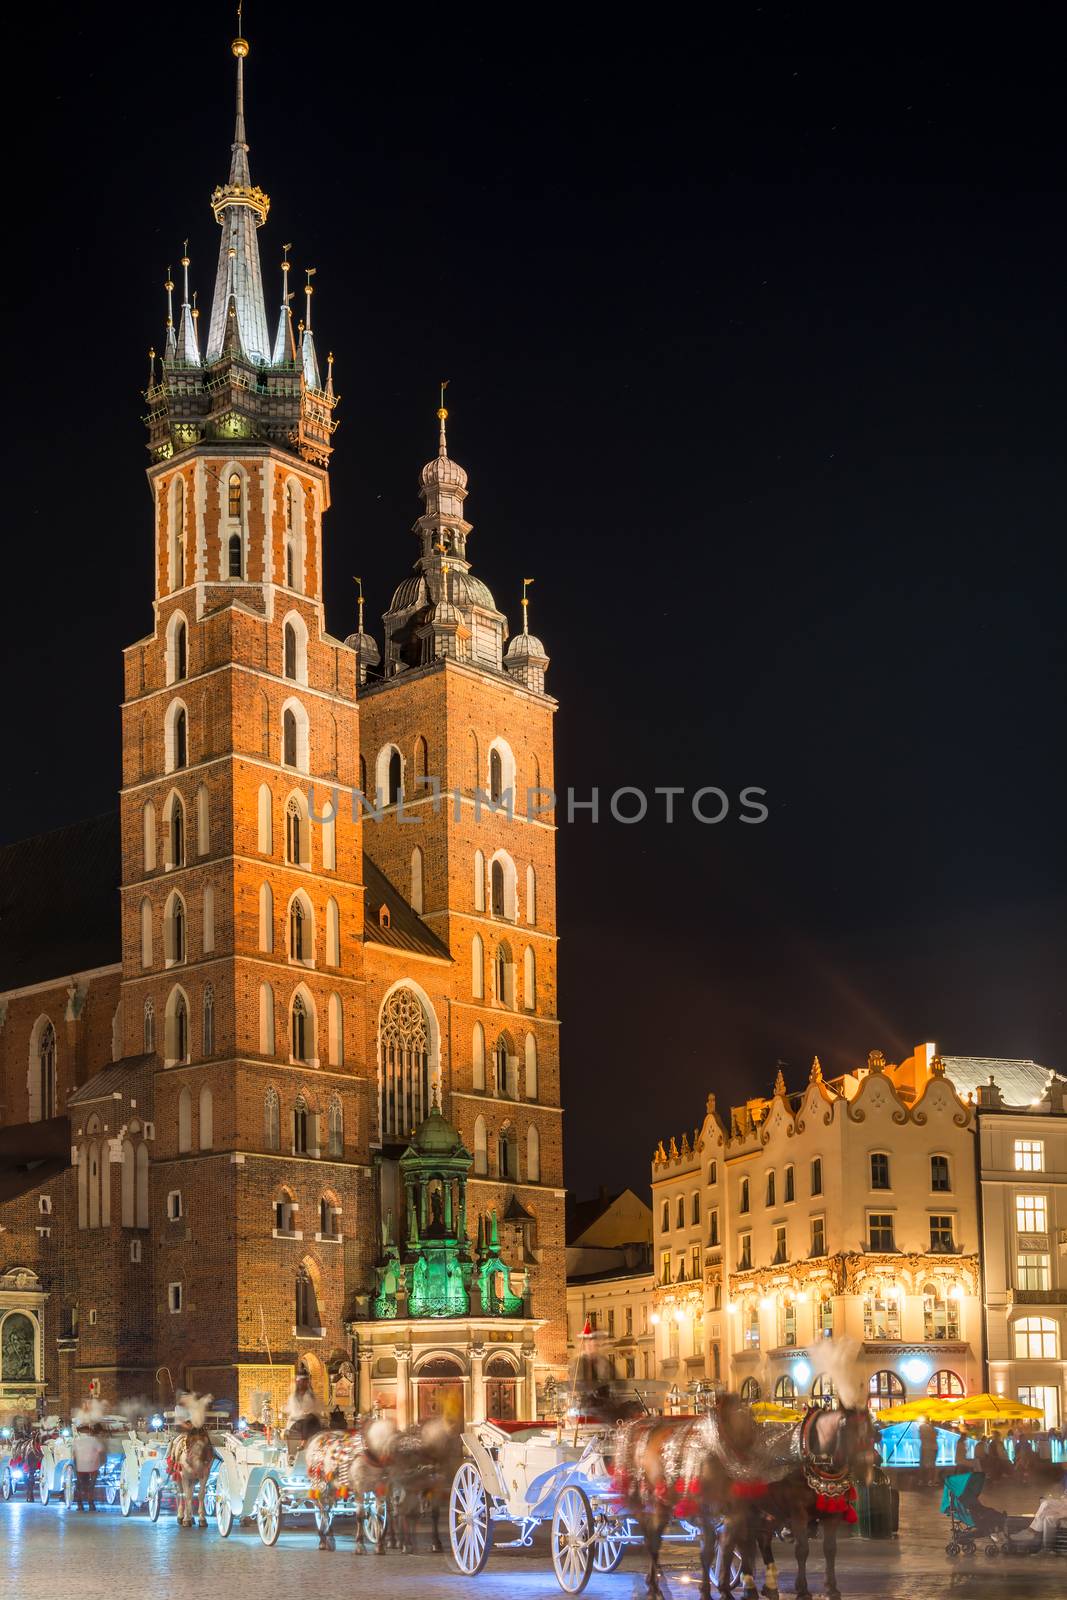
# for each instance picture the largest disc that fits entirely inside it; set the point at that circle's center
(845, 1211)
(1023, 1174)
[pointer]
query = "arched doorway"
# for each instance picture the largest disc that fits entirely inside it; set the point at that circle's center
(501, 1390)
(439, 1382)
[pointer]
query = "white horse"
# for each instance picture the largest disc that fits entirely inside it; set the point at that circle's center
(190, 1458)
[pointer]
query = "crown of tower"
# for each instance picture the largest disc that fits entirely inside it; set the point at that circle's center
(245, 386)
(443, 610)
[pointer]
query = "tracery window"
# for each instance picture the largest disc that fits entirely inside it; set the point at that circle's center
(300, 1029)
(272, 1120)
(405, 1064)
(209, 1020)
(234, 494)
(46, 1071)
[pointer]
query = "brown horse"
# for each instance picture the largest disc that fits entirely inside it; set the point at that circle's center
(829, 1454)
(688, 1468)
(423, 1461)
(191, 1458)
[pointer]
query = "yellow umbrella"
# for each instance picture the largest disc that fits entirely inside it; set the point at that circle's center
(992, 1408)
(775, 1411)
(932, 1409)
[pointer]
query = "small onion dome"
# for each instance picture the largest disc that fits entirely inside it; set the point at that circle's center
(412, 592)
(437, 1136)
(443, 473)
(471, 591)
(367, 652)
(526, 647)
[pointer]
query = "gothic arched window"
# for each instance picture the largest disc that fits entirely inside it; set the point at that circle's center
(46, 1071)
(149, 1026)
(496, 882)
(405, 1064)
(300, 1032)
(235, 564)
(496, 775)
(181, 651)
(301, 1119)
(289, 740)
(235, 496)
(395, 779)
(181, 739)
(290, 650)
(298, 939)
(293, 840)
(307, 1310)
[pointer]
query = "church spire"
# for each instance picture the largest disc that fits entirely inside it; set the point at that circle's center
(307, 343)
(171, 346)
(284, 347)
(188, 345)
(239, 209)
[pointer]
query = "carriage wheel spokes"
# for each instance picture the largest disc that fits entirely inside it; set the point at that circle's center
(470, 1528)
(155, 1495)
(573, 1541)
(68, 1486)
(223, 1511)
(125, 1498)
(610, 1546)
(269, 1511)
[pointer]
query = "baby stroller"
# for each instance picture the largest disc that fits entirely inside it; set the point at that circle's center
(969, 1519)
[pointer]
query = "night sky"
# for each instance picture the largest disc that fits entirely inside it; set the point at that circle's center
(756, 347)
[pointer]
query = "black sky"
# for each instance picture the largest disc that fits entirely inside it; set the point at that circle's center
(755, 342)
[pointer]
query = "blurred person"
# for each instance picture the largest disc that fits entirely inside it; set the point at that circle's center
(88, 1453)
(927, 1454)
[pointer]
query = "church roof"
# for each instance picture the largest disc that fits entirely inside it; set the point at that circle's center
(113, 1081)
(59, 903)
(405, 929)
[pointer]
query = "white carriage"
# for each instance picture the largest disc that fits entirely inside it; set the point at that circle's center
(257, 1481)
(144, 1479)
(56, 1467)
(533, 1475)
(538, 1474)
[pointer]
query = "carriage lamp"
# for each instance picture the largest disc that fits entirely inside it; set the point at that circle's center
(156, 1422)
(802, 1372)
(64, 1433)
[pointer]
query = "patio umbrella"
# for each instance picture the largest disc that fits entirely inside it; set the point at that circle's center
(933, 1409)
(992, 1408)
(775, 1411)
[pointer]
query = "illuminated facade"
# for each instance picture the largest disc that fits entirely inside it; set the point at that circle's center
(845, 1210)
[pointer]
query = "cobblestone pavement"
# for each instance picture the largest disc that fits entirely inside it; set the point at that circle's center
(47, 1553)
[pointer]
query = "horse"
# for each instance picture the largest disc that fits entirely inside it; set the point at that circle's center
(349, 1464)
(423, 1461)
(832, 1453)
(190, 1458)
(190, 1461)
(665, 1467)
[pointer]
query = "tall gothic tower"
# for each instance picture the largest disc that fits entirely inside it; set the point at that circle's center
(239, 899)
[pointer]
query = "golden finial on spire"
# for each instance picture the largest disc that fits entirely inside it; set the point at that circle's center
(240, 44)
(359, 588)
(196, 308)
(442, 417)
(526, 582)
(309, 291)
(815, 1076)
(169, 286)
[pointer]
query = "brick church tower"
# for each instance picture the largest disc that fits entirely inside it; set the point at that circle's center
(334, 988)
(238, 902)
